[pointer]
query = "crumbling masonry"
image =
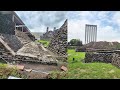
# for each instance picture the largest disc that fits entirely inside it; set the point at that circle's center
(112, 57)
(17, 43)
(58, 43)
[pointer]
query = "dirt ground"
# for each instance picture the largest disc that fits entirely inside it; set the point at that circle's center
(39, 71)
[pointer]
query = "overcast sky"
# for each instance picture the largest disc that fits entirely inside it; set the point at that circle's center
(108, 22)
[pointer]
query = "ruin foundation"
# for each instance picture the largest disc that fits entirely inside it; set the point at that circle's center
(112, 57)
(99, 57)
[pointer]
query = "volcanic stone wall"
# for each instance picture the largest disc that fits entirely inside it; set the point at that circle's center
(22, 37)
(58, 43)
(47, 36)
(6, 24)
(98, 57)
(116, 59)
(12, 41)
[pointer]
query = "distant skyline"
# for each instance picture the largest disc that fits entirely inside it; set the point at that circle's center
(108, 22)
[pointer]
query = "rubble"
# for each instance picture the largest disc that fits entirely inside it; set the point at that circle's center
(19, 45)
(28, 70)
(23, 37)
(64, 68)
(20, 67)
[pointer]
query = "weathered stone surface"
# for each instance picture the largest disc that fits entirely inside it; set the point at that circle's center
(12, 41)
(6, 24)
(58, 44)
(23, 37)
(27, 51)
(99, 45)
(64, 68)
(47, 35)
(98, 57)
(116, 59)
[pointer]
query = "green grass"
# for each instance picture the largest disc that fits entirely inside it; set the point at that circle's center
(80, 70)
(5, 72)
(77, 55)
(44, 42)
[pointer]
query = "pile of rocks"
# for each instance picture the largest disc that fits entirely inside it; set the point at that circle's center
(99, 57)
(22, 36)
(58, 44)
(8, 57)
(28, 53)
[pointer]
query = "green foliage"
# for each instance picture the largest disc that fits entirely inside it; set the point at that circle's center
(5, 72)
(44, 42)
(75, 42)
(81, 70)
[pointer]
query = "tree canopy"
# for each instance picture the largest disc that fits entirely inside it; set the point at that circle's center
(75, 42)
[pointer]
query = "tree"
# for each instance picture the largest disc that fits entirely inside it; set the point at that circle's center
(75, 42)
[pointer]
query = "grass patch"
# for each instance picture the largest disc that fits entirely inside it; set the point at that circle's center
(44, 42)
(5, 72)
(81, 70)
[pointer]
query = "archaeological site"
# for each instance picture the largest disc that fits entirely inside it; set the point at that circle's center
(99, 51)
(17, 44)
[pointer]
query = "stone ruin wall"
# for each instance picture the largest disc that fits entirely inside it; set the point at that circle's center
(6, 56)
(12, 41)
(58, 44)
(98, 57)
(22, 37)
(116, 59)
(6, 24)
(112, 57)
(47, 36)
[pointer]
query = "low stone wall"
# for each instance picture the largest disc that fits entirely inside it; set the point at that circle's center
(98, 57)
(116, 59)
(80, 49)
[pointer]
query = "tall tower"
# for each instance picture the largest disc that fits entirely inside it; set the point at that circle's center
(90, 33)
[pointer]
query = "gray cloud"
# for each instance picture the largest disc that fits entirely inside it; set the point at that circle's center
(42, 18)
